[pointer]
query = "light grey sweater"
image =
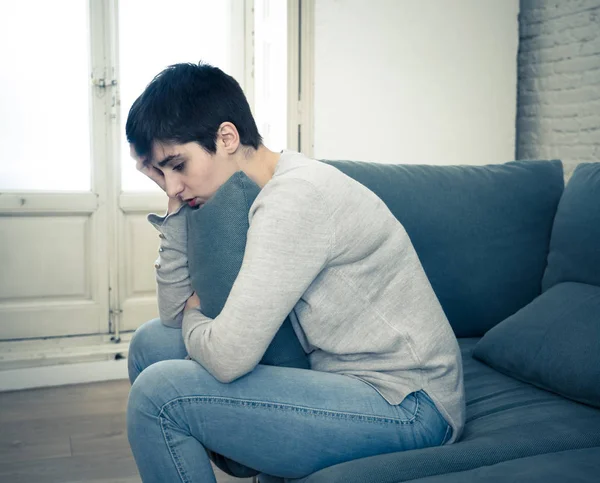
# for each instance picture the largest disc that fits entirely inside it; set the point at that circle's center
(326, 250)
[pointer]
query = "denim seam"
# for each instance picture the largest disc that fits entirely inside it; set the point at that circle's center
(172, 451)
(446, 436)
(418, 409)
(290, 407)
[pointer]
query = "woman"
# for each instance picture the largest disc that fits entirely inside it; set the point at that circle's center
(386, 372)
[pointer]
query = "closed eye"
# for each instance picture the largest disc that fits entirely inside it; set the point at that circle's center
(179, 167)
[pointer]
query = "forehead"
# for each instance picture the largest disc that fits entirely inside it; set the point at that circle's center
(160, 154)
(162, 151)
(157, 153)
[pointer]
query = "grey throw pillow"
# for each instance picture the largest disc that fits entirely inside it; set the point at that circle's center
(552, 343)
(216, 243)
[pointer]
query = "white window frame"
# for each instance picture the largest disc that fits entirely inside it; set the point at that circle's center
(33, 363)
(301, 14)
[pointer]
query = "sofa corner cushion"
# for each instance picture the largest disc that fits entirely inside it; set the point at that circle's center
(217, 234)
(481, 232)
(575, 242)
(552, 343)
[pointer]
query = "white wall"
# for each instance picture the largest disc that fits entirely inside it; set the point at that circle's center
(416, 81)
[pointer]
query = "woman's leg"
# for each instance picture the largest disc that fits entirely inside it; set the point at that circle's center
(153, 342)
(281, 421)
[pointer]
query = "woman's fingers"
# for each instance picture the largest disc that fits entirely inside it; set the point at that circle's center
(153, 173)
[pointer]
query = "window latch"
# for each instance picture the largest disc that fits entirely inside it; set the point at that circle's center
(102, 83)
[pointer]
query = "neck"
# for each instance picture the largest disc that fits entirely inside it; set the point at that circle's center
(259, 165)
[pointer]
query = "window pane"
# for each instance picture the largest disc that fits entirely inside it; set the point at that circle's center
(44, 95)
(153, 37)
(270, 58)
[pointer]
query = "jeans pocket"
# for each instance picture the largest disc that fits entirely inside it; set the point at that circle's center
(433, 422)
(408, 408)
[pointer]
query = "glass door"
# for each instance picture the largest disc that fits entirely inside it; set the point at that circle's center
(52, 182)
(79, 251)
(150, 38)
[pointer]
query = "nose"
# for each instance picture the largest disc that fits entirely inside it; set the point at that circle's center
(173, 184)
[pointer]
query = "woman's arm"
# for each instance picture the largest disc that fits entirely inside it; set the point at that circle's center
(174, 286)
(289, 243)
(172, 276)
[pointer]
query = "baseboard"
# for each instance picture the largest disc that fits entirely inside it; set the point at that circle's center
(63, 374)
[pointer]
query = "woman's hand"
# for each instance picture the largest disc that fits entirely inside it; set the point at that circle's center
(158, 177)
(146, 168)
(193, 302)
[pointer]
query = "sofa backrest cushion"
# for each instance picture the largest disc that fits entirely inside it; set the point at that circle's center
(481, 232)
(575, 243)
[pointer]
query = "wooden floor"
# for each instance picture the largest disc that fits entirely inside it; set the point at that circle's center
(69, 434)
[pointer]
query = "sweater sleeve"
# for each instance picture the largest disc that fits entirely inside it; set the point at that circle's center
(174, 286)
(289, 243)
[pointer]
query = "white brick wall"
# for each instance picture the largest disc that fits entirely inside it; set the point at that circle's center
(558, 111)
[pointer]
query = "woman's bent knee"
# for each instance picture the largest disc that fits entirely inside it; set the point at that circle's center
(138, 346)
(164, 381)
(151, 391)
(153, 342)
(145, 335)
(143, 391)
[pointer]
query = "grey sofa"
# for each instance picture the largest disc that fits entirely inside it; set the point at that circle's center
(514, 258)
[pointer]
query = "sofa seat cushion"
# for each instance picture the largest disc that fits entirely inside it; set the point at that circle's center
(578, 465)
(506, 419)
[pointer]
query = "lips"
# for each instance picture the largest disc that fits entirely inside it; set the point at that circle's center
(194, 202)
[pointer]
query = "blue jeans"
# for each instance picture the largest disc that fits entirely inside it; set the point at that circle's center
(280, 421)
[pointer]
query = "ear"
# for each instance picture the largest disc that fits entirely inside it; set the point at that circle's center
(228, 137)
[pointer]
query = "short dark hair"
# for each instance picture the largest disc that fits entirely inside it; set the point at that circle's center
(187, 103)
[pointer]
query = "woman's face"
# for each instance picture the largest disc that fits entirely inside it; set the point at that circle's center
(190, 172)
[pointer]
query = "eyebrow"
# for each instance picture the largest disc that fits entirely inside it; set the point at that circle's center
(164, 162)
